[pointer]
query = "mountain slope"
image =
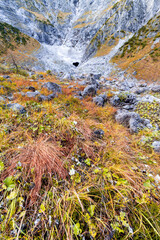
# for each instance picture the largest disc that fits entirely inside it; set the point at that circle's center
(82, 26)
(142, 52)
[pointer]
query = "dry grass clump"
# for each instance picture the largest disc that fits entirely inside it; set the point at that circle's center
(43, 157)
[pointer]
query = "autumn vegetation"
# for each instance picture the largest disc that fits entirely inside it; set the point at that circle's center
(59, 180)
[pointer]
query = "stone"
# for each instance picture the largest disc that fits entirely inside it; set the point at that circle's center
(10, 97)
(42, 98)
(126, 85)
(92, 79)
(141, 90)
(156, 88)
(54, 87)
(16, 107)
(31, 88)
(51, 96)
(123, 99)
(130, 120)
(97, 76)
(6, 77)
(104, 96)
(82, 83)
(156, 146)
(98, 133)
(32, 94)
(90, 90)
(143, 85)
(100, 100)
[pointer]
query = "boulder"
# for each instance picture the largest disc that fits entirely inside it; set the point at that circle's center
(156, 88)
(32, 94)
(16, 107)
(126, 85)
(100, 100)
(92, 79)
(131, 120)
(123, 99)
(10, 97)
(98, 133)
(141, 90)
(51, 96)
(42, 97)
(90, 90)
(31, 88)
(54, 87)
(143, 85)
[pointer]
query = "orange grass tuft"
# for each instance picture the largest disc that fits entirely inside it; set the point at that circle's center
(37, 159)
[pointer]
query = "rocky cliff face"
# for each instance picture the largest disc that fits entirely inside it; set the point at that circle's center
(78, 27)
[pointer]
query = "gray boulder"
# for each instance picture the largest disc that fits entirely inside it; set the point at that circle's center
(141, 90)
(90, 90)
(156, 146)
(131, 120)
(123, 99)
(32, 94)
(156, 88)
(16, 107)
(51, 96)
(143, 85)
(92, 79)
(54, 87)
(42, 97)
(100, 100)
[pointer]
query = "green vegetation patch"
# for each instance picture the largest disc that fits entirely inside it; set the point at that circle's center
(9, 37)
(150, 111)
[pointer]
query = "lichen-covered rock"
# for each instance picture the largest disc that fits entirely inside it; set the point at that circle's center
(123, 99)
